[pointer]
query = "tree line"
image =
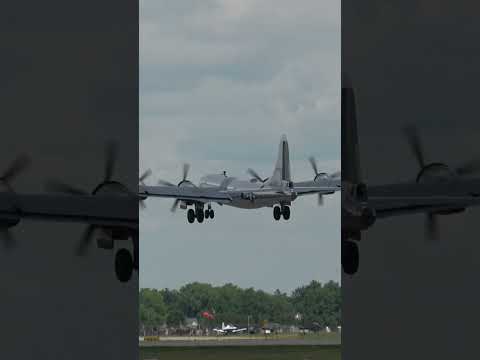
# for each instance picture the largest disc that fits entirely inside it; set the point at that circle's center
(315, 303)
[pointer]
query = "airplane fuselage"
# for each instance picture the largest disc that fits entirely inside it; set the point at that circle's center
(250, 194)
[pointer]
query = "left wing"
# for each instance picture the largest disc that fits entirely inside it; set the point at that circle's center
(99, 210)
(185, 193)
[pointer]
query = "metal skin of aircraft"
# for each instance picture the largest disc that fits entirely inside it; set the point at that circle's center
(437, 189)
(277, 191)
(110, 212)
(229, 329)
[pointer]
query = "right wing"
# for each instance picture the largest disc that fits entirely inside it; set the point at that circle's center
(410, 198)
(185, 193)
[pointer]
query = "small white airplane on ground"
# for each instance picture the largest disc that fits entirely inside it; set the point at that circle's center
(277, 191)
(228, 329)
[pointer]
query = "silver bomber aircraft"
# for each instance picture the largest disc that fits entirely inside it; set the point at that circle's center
(438, 189)
(277, 191)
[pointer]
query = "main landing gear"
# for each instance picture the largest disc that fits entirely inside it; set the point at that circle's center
(200, 214)
(125, 262)
(123, 265)
(279, 211)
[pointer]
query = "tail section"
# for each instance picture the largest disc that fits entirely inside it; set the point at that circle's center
(350, 148)
(223, 325)
(281, 172)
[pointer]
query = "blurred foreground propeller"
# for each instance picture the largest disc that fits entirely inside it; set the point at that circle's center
(416, 146)
(85, 240)
(15, 168)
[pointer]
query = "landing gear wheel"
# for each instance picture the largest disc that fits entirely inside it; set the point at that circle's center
(286, 212)
(350, 257)
(200, 216)
(191, 216)
(123, 265)
(207, 214)
(212, 214)
(277, 212)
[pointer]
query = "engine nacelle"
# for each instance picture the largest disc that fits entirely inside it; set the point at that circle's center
(248, 196)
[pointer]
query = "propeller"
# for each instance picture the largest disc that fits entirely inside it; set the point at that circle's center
(175, 205)
(313, 163)
(141, 180)
(144, 176)
(111, 155)
(15, 168)
(185, 171)
(416, 145)
(85, 240)
(255, 175)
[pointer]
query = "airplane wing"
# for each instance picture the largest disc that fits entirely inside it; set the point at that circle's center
(239, 330)
(95, 210)
(409, 198)
(312, 187)
(186, 193)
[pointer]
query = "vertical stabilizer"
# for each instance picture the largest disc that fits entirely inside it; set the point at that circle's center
(350, 148)
(281, 172)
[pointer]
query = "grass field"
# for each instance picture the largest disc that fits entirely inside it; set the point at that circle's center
(242, 353)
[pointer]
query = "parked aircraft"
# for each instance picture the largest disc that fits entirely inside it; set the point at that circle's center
(228, 329)
(436, 190)
(277, 191)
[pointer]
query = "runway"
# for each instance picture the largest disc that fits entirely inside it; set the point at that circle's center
(243, 341)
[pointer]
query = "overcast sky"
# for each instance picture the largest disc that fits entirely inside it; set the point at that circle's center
(220, 82)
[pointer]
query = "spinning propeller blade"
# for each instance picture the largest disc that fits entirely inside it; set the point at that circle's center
(175, 205)
(415, 143)
(144, 176)
(15, 168)
(85, 240)
(313, 163)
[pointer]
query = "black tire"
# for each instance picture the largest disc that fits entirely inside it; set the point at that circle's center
(123, 265)
(191, 216)
(207, 214)
(277, 212)
(350, 257)
(212, 214)
(286, 212)
(200, 216)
